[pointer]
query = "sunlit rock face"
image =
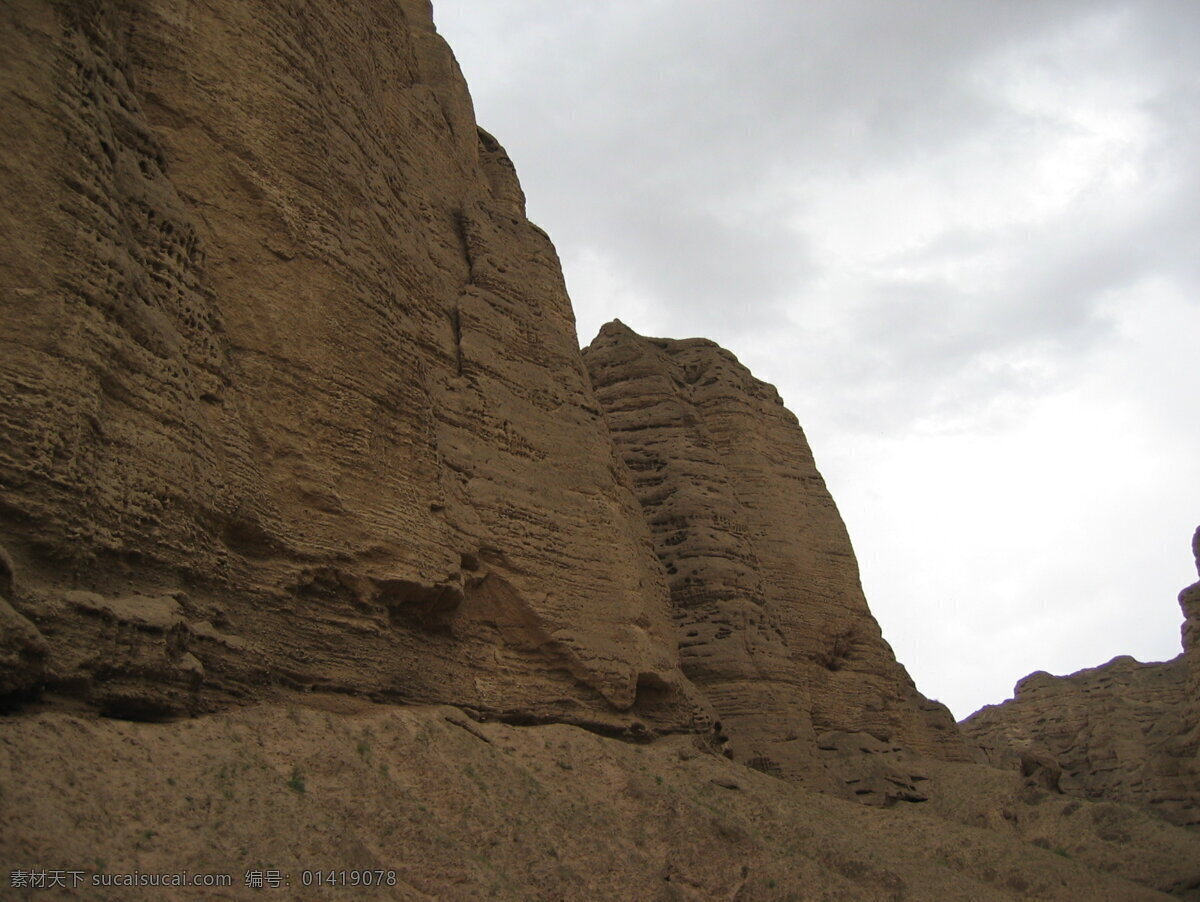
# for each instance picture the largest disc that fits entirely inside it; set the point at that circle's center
(765, 593)
(1126, 731)
(290, 392)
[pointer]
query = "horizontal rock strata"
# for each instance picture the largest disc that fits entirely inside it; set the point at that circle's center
(769, 611)
(290, 392)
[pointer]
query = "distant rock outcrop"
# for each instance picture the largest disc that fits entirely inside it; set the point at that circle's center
(769, 611)
(1124, 732)
(290, 391)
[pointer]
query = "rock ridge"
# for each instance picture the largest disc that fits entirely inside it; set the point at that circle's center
(1124, 731)
(772, 623)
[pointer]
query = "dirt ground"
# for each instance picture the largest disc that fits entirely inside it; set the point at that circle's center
(425, 803)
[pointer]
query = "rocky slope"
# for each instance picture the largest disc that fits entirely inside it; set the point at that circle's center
(771, 619)
(460, 810)
(1126, 731)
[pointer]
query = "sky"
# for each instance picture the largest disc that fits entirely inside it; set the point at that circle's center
(961, 237)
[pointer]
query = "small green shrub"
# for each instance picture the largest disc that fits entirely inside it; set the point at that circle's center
(296, 781)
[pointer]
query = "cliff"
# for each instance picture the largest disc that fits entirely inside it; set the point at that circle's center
(772, 623)
(296, 403)
(1125, 731)
(291, 393)
(319, 549)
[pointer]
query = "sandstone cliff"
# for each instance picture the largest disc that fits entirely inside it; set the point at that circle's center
(296, 438)
(291, 394)
(295, 400)
(1126, 731)
(771, 619)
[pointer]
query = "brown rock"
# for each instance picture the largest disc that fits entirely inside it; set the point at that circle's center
(292, 410)
(516, 814)
(23, 648)
(23, 651)
(769, 611)
(875, 773)
(1041, 771)
(1123, 732)
(1128, 840)
(1189, 600)
(280, 337)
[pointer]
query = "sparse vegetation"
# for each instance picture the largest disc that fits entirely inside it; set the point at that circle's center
(296, 781)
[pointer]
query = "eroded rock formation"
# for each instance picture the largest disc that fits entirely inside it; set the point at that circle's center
(293, 419)
(291, 394)
(294, 400)
(1125, 731)
(769, 611)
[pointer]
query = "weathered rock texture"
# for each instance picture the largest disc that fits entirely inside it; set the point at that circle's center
(290, 391)
(1125, 732)
(459, 810)
(765, 592)
(292, 410)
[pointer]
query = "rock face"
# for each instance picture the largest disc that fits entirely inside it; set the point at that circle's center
(293, 400)
(769, 612)
(1189, 600)
(1126, 731)
(293, 419)
(291, 394)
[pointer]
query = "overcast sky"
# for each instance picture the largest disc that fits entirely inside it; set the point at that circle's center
(960, 236)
